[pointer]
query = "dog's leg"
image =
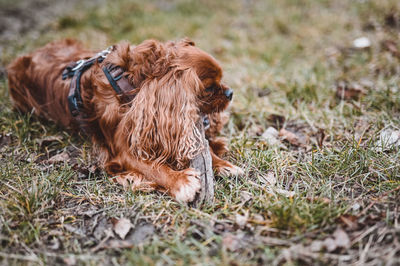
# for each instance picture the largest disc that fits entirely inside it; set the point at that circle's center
(182, 185)
(135, 181)
(225, 168)
(218, 146)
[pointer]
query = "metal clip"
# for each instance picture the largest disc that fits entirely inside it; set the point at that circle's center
(105, 52)
(79, 64)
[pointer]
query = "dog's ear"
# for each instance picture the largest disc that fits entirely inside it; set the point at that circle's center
(162, 119)
(187, 42)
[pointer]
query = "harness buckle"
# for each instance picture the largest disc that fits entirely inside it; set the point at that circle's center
(103, 54)
(79, 64)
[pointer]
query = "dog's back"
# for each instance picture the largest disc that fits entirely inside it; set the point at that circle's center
(35, 82)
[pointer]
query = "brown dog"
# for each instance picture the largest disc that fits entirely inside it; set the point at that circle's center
(138, 104)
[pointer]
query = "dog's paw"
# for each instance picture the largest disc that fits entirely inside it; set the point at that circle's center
(189, 185)
(229, 170)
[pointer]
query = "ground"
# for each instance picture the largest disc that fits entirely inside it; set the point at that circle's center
(314, 124)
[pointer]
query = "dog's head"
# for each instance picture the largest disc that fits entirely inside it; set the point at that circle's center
(212, 94)
(174, 82)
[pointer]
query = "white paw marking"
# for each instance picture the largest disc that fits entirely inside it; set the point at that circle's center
(187, 191)
(231, 170)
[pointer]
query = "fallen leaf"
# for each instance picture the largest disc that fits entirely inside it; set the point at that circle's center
(231, 242)
(263, 92)
(102, 227)
(291, 137)
(339, 239)
(285, 192)
(116, 244)
(388, 139)
(320, 199)
(317, 245)
(269, 178)
(245, 196)
(271, 137)
(342, 240)
(276, 120)
(70, 260)
(241, 220)
(61, 157)
(391, 47)
(349, 91)
(122, 227)
(255, 130)
(141, 233)
(73, 229)
(329, 244)
(5, 140)
(321, 137)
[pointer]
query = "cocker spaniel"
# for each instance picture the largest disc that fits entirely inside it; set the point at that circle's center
(139, 104)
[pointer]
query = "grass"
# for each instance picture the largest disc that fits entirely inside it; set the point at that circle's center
(282, 58)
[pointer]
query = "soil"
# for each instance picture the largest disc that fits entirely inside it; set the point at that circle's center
(26, 19)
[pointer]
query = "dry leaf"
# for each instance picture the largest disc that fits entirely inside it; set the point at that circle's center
(342, 240)
(121, 227)
(285, 192)
(71, 260)
(245, 196)
(339, 239)
(276, 120)
(271, 136)
(263, 92)
(231, 242)
(269, 178)
(116, 244)
(241, 220)
(61, 157)
(349, 91)
(5, 140)
(329, 244)
(388, 138)
(349, 221)
(317, 245)
(141, 233)
(255, 130)
(291, 137)
(391, 47)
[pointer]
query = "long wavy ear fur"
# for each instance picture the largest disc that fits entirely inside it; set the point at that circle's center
(161, 123)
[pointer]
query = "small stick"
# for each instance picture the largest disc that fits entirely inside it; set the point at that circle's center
(203, 164)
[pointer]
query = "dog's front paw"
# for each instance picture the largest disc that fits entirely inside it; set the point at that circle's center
(187, 185)
(229, 170)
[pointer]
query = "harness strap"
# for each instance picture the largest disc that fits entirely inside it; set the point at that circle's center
(75, 102)
(114, 74)
(119, 82)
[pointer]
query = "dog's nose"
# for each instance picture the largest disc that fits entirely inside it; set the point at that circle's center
(229, 94)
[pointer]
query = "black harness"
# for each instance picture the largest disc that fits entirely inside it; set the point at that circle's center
(114, 74)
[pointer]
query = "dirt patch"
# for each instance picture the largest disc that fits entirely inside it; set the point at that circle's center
(18, 18)
(28, 18)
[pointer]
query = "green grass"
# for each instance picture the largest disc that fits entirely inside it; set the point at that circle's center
(281, 57)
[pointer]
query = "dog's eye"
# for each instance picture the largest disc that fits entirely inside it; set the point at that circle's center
(210, 89)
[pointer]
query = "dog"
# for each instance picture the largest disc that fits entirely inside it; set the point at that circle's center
(138, 104)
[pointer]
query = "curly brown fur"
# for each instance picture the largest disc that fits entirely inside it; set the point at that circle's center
(148, 142)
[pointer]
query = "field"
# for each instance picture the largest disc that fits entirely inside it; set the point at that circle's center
(315, 124)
